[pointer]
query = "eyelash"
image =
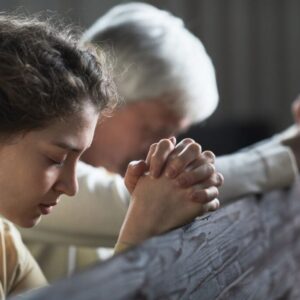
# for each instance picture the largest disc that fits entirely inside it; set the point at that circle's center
(58, 164)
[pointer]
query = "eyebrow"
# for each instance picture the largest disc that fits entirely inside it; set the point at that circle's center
(67, 146)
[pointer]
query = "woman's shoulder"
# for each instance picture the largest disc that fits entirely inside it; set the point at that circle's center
(12, 255)
(9, 238)
(11, 241)
(20, 271)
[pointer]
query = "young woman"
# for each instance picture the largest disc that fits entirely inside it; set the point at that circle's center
(52, 91)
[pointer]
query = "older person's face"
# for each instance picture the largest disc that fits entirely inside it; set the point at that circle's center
(36, 168)
(129, 132)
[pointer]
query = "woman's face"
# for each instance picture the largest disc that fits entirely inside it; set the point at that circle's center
(36, 168)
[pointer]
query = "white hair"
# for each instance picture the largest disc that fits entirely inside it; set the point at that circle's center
(161, 58)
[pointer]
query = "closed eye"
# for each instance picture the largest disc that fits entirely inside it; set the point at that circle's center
(57, 163)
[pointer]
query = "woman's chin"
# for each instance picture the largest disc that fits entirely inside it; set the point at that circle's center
(28, 223)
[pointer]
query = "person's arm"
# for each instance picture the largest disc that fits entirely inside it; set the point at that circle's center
(271, 164)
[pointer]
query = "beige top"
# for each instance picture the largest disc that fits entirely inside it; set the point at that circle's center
(18, 270)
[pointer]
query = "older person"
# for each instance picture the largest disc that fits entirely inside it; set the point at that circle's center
(168, 83)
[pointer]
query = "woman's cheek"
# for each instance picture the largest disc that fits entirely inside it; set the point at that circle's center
(48, 177)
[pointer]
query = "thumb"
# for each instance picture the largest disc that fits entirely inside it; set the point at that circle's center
(133, 173)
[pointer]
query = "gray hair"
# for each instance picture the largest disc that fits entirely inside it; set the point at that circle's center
(160, 57)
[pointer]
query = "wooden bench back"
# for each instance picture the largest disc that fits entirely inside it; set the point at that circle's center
(249, 249)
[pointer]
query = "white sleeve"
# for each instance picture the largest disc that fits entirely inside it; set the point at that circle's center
(93, 217)
(265, 166)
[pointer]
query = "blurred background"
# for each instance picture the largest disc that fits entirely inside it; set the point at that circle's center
(255, 47)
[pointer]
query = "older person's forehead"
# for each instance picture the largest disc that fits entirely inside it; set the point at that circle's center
(158, 116)
(155, 107)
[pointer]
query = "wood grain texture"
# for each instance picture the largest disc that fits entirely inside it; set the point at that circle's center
(247, 250)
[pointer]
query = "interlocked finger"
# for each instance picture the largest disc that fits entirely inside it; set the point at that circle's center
(212, 205)
(203, 179)
(159, 155)
(180, 146)
(182, 160)
(198, 194)
(150, 153)
(197, 175)
(204, 158)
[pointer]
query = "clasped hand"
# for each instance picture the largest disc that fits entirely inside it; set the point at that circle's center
(172, 186)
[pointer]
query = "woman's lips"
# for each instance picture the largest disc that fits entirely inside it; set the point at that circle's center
(46, 208)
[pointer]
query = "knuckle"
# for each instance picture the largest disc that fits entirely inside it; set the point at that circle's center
(195, 148)
(186, 179)
(210, 168)
(214, 192)
(199, 196)
(205, 196)
(211, 193)
(215, 204)
(221, 178)
(214, 180)
(212, 205)
(187, 141)
(209, 155)
(165, 144)
(193, 194)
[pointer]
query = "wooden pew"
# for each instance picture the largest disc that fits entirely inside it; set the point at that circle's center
(249, 249)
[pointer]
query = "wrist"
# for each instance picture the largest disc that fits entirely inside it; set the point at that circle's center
(122, 246)
(134, 229)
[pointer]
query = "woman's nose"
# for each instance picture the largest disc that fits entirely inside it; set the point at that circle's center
(67, 182)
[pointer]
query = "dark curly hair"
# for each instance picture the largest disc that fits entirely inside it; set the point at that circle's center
(46, 74)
